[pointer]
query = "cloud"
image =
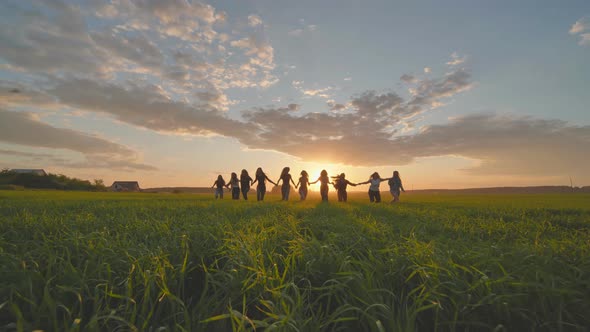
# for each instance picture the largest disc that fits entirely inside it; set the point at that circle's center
(427, 70)
(298, 32)
(17, 128)
(25, 154)
(319, 92)
(262, 50)
(582, 29)
(33, 40)
(584, 39)
(322, 93)
(406, 78)
(337, 107)
(254, 20)
(147, 106)
(456, 59)
(357, 136)
(174, 43)
(506, 144)
(581, 25)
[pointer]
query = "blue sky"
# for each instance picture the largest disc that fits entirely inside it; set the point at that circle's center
(175, 92)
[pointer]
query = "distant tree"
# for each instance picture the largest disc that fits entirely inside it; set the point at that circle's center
(99, 184)
(51, 181)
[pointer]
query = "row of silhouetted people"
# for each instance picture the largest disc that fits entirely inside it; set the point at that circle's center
(243, 183)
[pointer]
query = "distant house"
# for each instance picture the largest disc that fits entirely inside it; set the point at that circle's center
(40, 172)
(125, 186)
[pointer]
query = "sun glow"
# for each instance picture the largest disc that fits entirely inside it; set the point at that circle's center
(314, 174)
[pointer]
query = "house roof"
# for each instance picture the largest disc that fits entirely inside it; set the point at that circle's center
(126, 183)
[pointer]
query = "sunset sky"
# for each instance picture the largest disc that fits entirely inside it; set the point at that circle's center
(172, 93)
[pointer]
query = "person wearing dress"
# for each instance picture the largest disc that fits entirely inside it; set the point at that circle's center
(324, 180)
(261, 178)
(303, 184)
(395, 185)
(286, 187)
(219, 184)
(245, 182)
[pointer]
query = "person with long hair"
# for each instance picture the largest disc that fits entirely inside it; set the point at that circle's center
(245, 182)
(324, 181)
(374, 181)
(303, 183)
(219, 184)
(395, 185)
(261, 178)
(340, 183)
(234, 182)
(286, 187)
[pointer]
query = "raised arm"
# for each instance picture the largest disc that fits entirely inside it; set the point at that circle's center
(314, 182)
(350, 183)
(363, 182)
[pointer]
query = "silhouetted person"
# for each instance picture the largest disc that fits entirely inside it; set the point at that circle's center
(261, 178)
(234, 182)
(245, 181)
(340, 183)
(286, 187)
(219, 184)
(324, 181)
(303, 183)
(395, 185)
(374, 181)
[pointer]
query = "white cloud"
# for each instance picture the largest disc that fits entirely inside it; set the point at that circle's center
(298, 32)
(322, 93)
(581, 25)
(254, 20)
(580, 28)
(427, 70)
(318, 92)
(585, 39)
(456, 59)
(174, 43)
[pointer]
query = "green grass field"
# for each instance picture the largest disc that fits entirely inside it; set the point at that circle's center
(73, 261)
